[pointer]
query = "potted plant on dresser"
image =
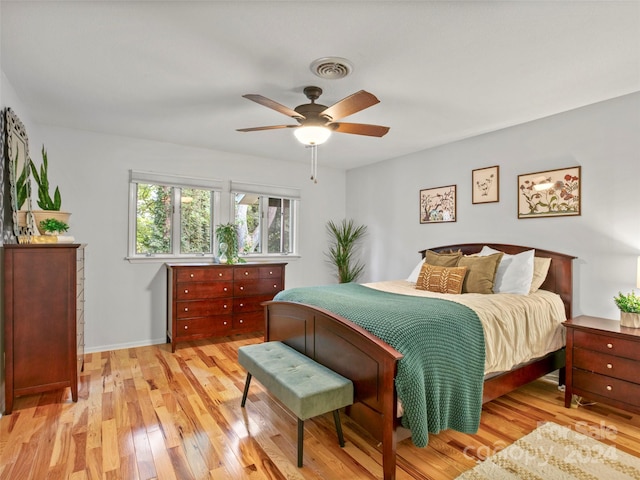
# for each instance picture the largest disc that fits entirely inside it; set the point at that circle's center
(50, 205)
(629, 306)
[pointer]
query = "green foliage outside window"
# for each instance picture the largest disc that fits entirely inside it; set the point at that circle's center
(195, 231)
(153, 228)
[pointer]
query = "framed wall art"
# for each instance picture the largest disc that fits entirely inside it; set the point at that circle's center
(438, 205)
(554, 193)
(485, 185)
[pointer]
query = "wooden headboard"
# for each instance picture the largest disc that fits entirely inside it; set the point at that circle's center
(560, 276)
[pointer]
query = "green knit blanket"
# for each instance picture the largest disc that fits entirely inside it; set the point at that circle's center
(440, 377)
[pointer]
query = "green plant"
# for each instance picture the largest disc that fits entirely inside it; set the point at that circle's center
(23, 185)
(45, 202)
(228, 233)
(344, 238)
(51, 225)
(628, 303)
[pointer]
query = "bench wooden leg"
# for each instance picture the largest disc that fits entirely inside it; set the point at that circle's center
(300, 441)
(246, 390)
(336, 418)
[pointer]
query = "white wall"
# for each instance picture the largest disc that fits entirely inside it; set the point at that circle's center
(126, 302)
(602, 138)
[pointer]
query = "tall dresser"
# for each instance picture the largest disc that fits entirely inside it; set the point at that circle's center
(44, 318)
(213, 300)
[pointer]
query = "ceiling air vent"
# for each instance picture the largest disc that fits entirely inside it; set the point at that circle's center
(331, 68)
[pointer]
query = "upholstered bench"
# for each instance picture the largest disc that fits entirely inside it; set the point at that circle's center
(307, 388)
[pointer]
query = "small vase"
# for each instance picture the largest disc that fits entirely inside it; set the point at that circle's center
(630, 319)
(223, 253)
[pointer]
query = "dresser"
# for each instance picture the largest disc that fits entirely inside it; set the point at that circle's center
(603, 362)
(214, 300)
(44, 318)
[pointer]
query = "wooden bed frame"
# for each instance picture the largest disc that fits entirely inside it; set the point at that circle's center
(371, 364)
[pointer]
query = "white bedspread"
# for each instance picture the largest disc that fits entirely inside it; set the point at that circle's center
(517, 328)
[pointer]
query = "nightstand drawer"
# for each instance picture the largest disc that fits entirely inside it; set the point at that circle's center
(606, 344)
(609, 365)
(602, 385)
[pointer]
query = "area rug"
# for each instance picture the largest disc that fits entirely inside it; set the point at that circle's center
(553, 452)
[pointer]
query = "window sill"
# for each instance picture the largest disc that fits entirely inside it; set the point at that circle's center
(209, 259)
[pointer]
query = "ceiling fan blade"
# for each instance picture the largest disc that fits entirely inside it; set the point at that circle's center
(278, 107)
(350, 105)
(360, 129)
(271, 127)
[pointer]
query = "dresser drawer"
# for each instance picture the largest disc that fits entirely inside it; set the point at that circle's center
(193, 291)
(250, 304)
(602, 385)
(606, 344)
(204, 308)
(204, 274)
(248, 322)
(609, 365)
(204, 326)
(257, 272)
(257, 286)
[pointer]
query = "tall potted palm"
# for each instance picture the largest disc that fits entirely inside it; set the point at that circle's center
(344, 238)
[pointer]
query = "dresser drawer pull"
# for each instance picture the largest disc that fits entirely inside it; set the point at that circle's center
(220, 274)
(186, 327)
(609, 365)
(224, 306)
(186, 309)
(246, 273)
(275, 286)
(241, 321)
(609, 345)
(191, 275)
(186, 291)
(241, 288)
(242, 304)
(609, 387)
(270, 273)
(224, 323)
(225, 289)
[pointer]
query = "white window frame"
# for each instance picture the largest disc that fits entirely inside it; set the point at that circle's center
(177, 181)
(273, 191)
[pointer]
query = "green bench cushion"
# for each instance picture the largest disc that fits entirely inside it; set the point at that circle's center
(307, 388)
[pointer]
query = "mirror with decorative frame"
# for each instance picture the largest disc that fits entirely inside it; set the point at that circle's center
(17, 150)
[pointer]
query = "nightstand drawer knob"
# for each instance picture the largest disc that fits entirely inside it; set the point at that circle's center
(609, 387)
(609, 345)
(609, 365)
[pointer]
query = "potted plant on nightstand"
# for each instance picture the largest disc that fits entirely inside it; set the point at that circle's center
(629, 306)
(50, 206)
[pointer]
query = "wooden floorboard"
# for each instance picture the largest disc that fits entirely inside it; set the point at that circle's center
(145, 413)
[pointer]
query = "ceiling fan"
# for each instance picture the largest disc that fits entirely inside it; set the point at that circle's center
(316, 121)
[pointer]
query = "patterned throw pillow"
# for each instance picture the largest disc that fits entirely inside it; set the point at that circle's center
(438, 279)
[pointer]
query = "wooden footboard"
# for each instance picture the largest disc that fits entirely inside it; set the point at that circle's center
(371, 364)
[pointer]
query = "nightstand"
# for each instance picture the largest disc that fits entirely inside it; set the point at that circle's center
(603, 362)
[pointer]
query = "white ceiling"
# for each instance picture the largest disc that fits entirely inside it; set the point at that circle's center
(446, 70)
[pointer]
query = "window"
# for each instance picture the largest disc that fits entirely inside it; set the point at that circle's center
(265, 217)
(171, 216)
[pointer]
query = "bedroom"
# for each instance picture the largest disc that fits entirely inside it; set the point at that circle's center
(92, 170)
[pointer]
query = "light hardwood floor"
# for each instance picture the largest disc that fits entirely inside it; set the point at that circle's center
(145, 413)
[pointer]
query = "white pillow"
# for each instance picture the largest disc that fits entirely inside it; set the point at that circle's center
(515, 272)
(413, 276)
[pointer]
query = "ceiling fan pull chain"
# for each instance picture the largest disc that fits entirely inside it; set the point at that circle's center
(314, 163)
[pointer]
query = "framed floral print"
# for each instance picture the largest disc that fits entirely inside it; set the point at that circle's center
(438, 205)
(485, 185)
(554, 193)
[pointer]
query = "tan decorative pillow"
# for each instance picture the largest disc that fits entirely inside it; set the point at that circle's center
(442, 259)
(441, 279)
(481, 274)
(540, 271)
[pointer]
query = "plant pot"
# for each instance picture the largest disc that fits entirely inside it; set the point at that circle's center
(630, 319)
(40, 215)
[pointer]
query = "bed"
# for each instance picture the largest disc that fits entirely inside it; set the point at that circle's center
(372, 364)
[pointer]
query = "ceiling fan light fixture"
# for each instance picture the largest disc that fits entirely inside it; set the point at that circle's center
(312, 135)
